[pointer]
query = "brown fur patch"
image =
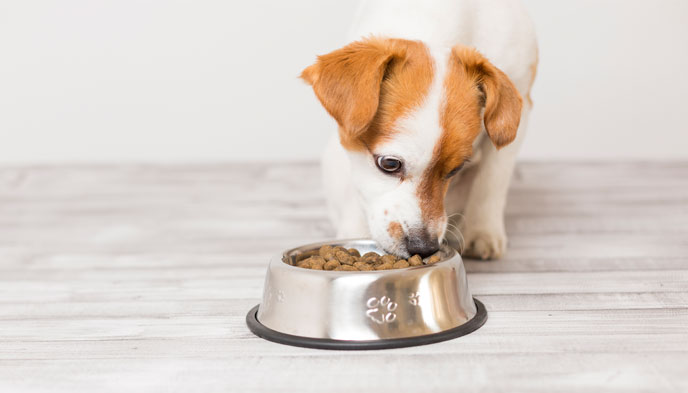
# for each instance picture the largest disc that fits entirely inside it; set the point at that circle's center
(431, 192)
(470, 83)
(395, 231)
(367, 85)
(502, 100)
(404, 88)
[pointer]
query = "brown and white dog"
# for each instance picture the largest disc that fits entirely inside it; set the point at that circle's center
(431, 112)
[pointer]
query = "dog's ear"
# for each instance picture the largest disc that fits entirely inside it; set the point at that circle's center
(347, 83)
(502, 100)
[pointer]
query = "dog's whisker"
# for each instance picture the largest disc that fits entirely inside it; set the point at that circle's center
(460, 240)
(454, 235)
(459, 220)
(454, 232)
(458, 233)
(449, 217)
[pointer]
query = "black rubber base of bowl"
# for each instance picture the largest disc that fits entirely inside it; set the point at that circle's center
(323, 343)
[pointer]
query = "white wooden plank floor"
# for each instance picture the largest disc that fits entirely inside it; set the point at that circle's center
(138, 278)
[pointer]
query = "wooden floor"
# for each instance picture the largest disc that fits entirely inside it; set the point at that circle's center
(138, 278)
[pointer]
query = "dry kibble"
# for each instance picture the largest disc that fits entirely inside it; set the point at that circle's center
(400, 264)
(327, 253)
(317, 260)
(324, 250)
(364, 266)
(388, 259)
(415, 260)
(348, 268)
(311, 262)
(344, 257)
(384, 266)
(433, 259)
(306, 263)
(331, 264)
(370, 256)
(340, 259)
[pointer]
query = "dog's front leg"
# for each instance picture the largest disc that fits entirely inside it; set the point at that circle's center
(482, 226)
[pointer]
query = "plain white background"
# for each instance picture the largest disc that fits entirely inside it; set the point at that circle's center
(208, 81)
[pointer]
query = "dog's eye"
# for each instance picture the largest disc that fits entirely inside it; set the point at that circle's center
(455, 170)
(388, 164)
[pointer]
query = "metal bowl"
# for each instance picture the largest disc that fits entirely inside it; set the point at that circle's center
(366, 309)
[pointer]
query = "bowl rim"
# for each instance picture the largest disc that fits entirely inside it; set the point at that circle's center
(269, 334)
(444, 246)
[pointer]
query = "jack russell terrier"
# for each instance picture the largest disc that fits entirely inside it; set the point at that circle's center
(432, 103)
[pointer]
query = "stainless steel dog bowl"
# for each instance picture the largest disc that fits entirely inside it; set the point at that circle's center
(367, 309)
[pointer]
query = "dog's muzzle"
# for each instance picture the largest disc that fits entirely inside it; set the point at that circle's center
(421, 242)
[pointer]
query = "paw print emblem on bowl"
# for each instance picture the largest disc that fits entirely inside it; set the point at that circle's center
(381, 310)
(414, 298)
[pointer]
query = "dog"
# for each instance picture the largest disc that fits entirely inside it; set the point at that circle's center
(431, 100)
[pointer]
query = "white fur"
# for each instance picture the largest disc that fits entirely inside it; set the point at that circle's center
(359, 194)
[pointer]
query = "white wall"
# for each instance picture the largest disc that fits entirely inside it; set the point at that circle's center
(612, 81)
(202, 80)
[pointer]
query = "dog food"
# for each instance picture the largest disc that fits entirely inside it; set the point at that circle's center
(339, 258)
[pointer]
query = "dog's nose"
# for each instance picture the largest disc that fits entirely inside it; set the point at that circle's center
(421, 242)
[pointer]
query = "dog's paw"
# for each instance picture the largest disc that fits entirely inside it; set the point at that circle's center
(484, 243)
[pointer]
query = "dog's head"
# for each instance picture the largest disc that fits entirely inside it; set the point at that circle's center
(408, 117)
